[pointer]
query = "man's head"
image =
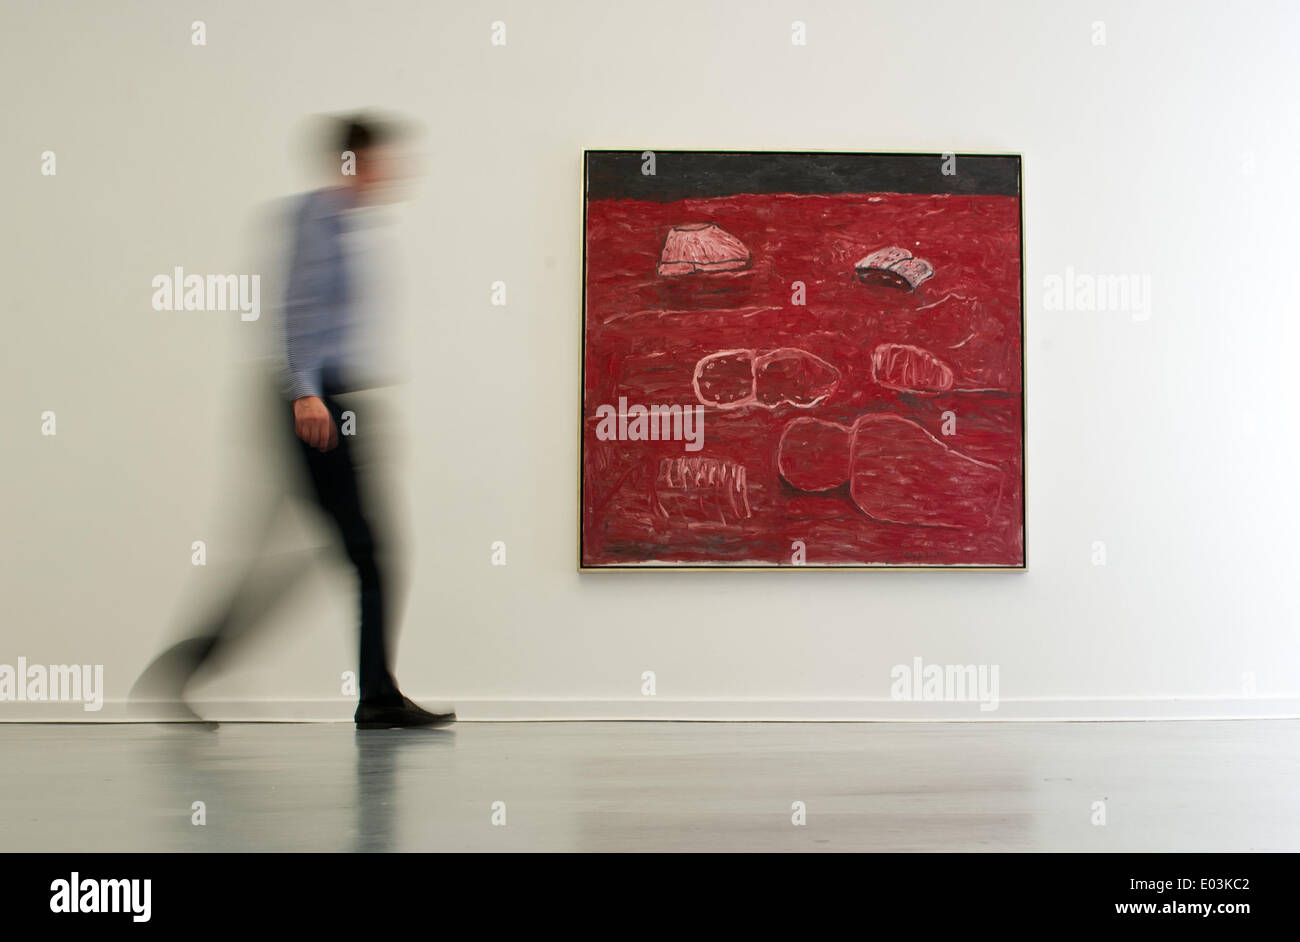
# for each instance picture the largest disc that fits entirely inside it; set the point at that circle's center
(368, 157)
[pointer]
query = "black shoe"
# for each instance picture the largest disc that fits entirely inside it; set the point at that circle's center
(398, 714)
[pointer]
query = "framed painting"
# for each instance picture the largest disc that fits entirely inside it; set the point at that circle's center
(802, 361)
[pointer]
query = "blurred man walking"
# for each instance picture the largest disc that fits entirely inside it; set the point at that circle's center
(321, 361)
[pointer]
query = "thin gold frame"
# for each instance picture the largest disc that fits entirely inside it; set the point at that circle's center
(714, 567)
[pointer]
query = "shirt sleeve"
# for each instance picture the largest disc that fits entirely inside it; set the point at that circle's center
(304, 314)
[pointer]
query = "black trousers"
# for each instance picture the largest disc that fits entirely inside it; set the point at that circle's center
(333, 485)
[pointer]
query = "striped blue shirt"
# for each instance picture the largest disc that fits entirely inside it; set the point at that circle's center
(318, 328)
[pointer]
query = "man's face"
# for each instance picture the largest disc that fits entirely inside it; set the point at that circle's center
(380, 172)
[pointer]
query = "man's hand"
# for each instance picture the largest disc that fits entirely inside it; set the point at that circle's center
(314, 424)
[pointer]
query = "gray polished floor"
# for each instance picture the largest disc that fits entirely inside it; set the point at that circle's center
(1197, 786)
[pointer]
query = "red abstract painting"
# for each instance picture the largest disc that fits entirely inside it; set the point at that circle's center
(802, 360)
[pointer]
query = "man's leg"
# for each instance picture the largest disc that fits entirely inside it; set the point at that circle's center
(265, 583)
(337, 490)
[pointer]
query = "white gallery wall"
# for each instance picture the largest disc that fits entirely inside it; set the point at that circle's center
(1159, 141)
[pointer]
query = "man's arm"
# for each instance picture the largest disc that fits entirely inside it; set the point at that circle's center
(308, 281)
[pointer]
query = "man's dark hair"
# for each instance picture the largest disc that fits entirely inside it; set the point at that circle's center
(357, 135)
(325, 137)
(359, 132)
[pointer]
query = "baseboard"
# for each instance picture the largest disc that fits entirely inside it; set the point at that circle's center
(879, 711)
(1097, 709)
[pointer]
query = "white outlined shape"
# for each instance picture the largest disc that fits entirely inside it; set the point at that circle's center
(757, 366)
